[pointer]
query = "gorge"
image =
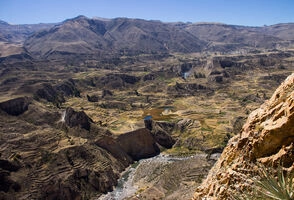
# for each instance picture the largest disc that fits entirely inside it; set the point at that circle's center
(85, 99)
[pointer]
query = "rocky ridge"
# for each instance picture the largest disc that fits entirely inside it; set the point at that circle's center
(84, 38)
(267, 137)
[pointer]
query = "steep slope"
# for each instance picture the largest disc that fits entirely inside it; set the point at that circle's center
(267, 137)
(284, 31)
(94, 38)
(79, 36)
(12, 38)
(223, 37)
(151, 36)
(118, 36)
(49, 154)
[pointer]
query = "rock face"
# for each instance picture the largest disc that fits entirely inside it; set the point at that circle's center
(138, 144)
(15, 106)
(160, 131)
(73, 118)
(112, 146)
(267, 137)
(49, 93)
(56, 94)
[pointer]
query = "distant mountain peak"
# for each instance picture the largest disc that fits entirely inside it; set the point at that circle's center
(101, 19)
(81, 17)
(3, 23)
(130, 36)
(209, 23)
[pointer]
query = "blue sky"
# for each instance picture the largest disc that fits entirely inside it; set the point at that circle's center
(239, 12)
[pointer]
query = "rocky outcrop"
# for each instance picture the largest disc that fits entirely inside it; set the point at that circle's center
(56, 94)
(15, 106)
(77, 119)
(161, 131)
(187, 89)
(138, 144)
(114, 81)
(267, 137)
(92, 98)
(68, 88)
(112, 146)
(49, 93)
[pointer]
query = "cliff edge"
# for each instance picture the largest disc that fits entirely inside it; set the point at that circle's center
(267, 137)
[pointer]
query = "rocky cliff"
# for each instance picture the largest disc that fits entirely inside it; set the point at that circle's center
(267, 138)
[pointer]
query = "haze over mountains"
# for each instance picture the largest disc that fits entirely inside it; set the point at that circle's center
(123, 36)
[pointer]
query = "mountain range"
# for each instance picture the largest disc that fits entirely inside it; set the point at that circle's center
(123, 36)
(83, 100)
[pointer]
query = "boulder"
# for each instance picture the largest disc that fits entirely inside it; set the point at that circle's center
(77, 119)
(138, 144)
(15, 106)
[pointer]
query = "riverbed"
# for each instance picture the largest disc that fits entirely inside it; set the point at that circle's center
(162, 176)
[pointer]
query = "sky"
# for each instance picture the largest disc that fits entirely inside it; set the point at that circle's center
(237, 12)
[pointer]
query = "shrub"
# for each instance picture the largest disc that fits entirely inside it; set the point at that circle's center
(269, 186)
(280, 187)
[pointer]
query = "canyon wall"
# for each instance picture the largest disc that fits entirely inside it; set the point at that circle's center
(267, 137)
